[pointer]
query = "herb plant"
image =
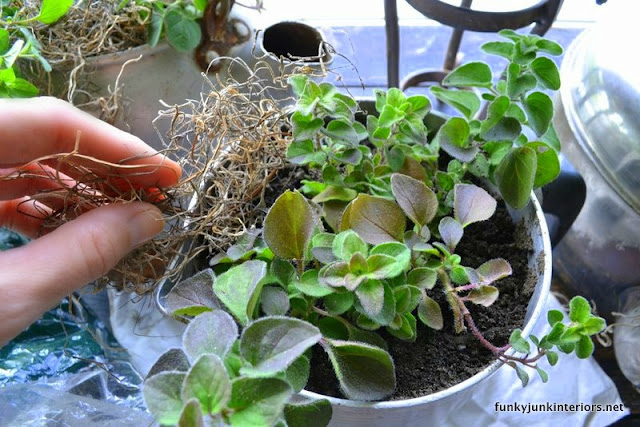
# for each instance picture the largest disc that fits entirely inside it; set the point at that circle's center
(18, 42)
(363, 245)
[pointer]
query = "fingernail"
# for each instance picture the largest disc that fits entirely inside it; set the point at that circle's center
(145, 223)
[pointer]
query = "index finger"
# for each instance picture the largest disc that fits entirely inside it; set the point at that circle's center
(37, 127)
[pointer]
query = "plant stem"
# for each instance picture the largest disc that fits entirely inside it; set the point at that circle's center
(300, 268)
(451, 299)
(465, 287)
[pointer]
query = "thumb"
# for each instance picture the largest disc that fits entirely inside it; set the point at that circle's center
(36, 276)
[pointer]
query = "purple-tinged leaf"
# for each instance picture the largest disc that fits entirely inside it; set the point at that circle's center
(451, 232)
(210, 333)
(430, 313)
(417, 200)
(472, 204)
(484, 295)
(289, 225)
(376, 220)
(493, 270)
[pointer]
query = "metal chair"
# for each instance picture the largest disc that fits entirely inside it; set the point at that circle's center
(461, 18)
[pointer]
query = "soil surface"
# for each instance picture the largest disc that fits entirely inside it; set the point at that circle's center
(440, 359)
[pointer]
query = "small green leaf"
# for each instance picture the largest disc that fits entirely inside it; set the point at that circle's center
(315, 413)
(451, 232)
(336, 193)
(543, 375)
(539, 109)
(472, 74)
(210, 333)
(271, 344)
(547, 163)
(420, 105)
(594, 325)
(430, 313)
(289, 225)
(52, 10)
(371, 297)
(297, 374)
(337, 304)
(466, 102)
(554, 316)
(258, 401)
(156, 25)
(274, 301)
(551, 139)
(504, 49)
(389, 116)
(518, 84)
(310, 285)
(162, 396)
(497, 108)
(515, 176)
(239, 288)
(365, 372)
(208, 382)
(408, 328)
(584, 347)
(550, 47)
(422, 277)
(546, 72)
(484, 295)
(472, 204)
(4, 40)
(407, 298)
(305, 127)
(518, 342)
(376, 220)
(342, 131)
(522, 374)
(182, 31)
(579, 309)
(191, 415)
(173, 359)
(417, 201)
(348, 243)
(398, 251)
(298, 83)
(552, 357)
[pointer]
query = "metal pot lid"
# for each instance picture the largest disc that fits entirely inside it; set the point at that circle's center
(601, 96)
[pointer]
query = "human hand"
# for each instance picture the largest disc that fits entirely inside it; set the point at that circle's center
(34, 278)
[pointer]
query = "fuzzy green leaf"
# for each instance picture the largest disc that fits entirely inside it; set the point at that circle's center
(191, 415)
(4, 40)
(305, 127)
(371, 297)
(271, 344)
(552, 357)
(539, 109)
(420, 105)
(310, 285)
(297, 374)
(417, 200)
(515, 176)
(549, 47)
(522, 374)
(173, 359)
(518, 84)
(289, 225)
(162, 396)
(52, 10)
(274, 301)
(495, 112)
(376, 220)
(546, 72)
(430, 313)
(504, 49)
(182, 31)
(466, 102)
(347, 243)
(210, 333)
(408, 328)
(337, 304)
(547, 163)
(584, 347)
(554, 316)
(342, 131)
(398, 251)
(472, 74)
(365, 372)
(484, 295)
(335, 193)
(302, 152)
(518, 342)
(208, 382)
(543, 374)
(258, 401)
(315, 413)
(156, 25)
(579, 309)
(472, 204)
(239, 288)
(422, 277)
(407, 298)
(594, 325)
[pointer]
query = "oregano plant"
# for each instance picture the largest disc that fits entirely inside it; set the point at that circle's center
(368, 242)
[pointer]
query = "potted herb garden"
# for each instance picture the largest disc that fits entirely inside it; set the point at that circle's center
(394, 256)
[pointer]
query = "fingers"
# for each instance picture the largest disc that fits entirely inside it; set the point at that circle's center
(23, 215)
(36, 276)
(33, 128)
(32, 179)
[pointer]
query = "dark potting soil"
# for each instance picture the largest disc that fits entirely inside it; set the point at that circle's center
(440, 359)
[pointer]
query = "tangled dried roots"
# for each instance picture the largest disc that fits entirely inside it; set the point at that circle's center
(89, 29)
